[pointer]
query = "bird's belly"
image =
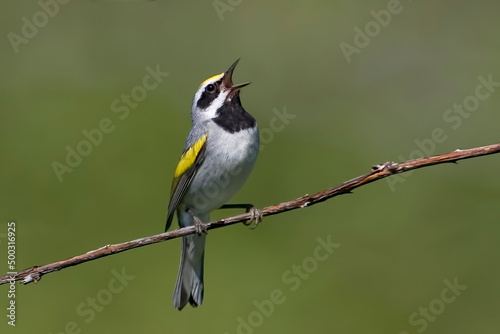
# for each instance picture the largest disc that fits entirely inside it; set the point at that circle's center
(227, 165)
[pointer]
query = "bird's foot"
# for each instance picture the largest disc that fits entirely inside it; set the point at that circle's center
(199, 226)
(256, 218)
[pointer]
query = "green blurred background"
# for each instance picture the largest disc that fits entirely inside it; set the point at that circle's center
(398, 244)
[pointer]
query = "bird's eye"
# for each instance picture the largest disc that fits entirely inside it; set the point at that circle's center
(211, 88)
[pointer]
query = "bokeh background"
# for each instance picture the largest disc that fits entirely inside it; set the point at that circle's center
(399, 239)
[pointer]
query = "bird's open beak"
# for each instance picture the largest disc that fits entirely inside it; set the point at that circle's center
(227, 80)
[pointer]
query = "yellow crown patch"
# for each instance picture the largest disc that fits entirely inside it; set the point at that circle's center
(215, 78)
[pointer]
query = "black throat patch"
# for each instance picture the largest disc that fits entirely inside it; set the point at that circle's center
(232, 117)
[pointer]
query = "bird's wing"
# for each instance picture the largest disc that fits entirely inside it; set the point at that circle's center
(184, 174)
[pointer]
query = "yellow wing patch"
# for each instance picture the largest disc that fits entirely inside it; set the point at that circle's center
(215, 78)
(189, 156)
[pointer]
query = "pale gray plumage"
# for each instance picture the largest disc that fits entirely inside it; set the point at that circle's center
(221, 168)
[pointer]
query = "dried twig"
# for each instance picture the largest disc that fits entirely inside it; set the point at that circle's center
(378, 172)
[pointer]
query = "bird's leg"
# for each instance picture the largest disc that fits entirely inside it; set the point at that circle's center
(199, 226)
(257, 215)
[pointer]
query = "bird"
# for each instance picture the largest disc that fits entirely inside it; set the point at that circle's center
(218, 156)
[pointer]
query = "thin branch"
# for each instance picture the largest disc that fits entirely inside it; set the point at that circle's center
(378, 172)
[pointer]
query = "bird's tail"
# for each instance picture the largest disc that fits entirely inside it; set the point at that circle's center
(189, 286)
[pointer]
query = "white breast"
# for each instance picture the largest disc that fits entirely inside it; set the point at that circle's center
(229, 159)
